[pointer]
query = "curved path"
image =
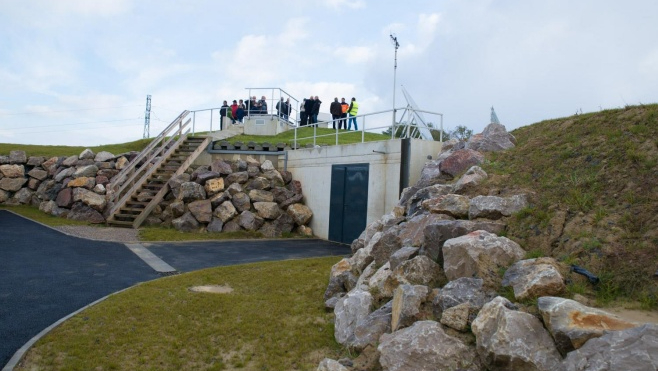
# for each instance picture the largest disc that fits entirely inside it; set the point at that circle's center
(45, 274)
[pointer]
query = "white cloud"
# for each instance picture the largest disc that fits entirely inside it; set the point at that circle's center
(343, 4)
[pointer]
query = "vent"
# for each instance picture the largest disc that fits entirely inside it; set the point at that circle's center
(260, 122)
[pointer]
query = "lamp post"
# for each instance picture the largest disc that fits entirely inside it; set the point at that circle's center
(394, 40)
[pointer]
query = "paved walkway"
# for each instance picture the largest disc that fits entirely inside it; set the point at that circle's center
(46, 275)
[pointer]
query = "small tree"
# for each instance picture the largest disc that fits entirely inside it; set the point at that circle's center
(401, 128)
(461, 133)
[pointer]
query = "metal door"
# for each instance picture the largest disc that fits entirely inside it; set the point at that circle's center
(348, 207)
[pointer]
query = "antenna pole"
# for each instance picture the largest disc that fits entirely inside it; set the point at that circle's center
(394, 40)
(147, 117)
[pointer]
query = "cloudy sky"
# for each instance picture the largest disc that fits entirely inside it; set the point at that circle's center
(77, 72)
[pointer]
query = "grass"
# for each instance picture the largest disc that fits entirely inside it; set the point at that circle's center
(273, 320)
(35, 214)
(171, 234)
(52, 151)
(328, 137)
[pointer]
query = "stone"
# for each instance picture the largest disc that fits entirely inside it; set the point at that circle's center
(430, 174)
(267, 165)
(70, 161)
(23, 196)
(176, 181)
(241, 202)
(103, 180)
(47, 207)
(407, 300)
(366, 235)
(470, 180)
(425, 346)
(177, 208)
(494, 138)
(380, 282)
(369, 329)
(258, 182)
(339, 285)
(201, 210)
(631, 349)
(121, 163)
(4, 196)
(205, 176)
(412, 231)
(4, 160)
(257, 195)
(533, 278)
(295, 199)
(17, 157)
(459, 162)
(12, 171)
(420, 270)
(214, 186)
(304, 230)
(191, 191)
(388, 243)
(12, 184)
(82, 212)
(508, 339)
(274, 177)
(38, 174)
(301, 214)
(103, 156)
(479, 254)
(48, 190)
(460, 291)
(331, 365)
(105, 165)
(250, 221)
(89, 198)
(50, 165)
(493, 207)
(414, 204)
(350, 309)
(35, 160)
(87, 154)
(286, 175)
(64, 198)
(86, 171)
(457, 317)
(186, 223)
(63, 174)
(453, 205)
(267, 210)
(215, 226)
(239, 177)
(281, 194)
(84, 182)
(225, 212)
(33, 184)
(402, 255)
(572, 324)
(221, 167)
(286, 224)
(218, 199)
(438, 232)
(234, 188)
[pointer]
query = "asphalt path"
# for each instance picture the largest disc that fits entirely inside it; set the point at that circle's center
(46, 275)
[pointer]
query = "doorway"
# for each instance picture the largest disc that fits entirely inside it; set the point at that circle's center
(348, 205)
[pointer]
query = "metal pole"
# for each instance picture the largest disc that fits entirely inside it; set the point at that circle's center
(394, 39)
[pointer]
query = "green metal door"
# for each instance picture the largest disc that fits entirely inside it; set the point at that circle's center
(348, 206)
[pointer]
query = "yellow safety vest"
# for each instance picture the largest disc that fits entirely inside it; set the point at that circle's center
(355, 108)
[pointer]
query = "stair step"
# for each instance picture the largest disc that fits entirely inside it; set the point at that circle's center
(120, 223)
(134, 202)
(126, 216)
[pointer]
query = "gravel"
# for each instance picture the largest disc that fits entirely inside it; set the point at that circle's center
(123, 235)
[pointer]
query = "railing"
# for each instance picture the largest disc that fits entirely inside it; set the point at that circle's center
(411, 129)
(140, 165)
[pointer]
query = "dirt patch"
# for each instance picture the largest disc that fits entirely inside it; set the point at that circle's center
(638, 316)
(212, 289)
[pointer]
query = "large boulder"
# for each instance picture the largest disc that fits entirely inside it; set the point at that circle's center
(420, 270)
(221, 167)
(331, 365)
(87, 154)
(508, 339)
(533, 278)
(215, 226)
(214, 186)
(23, 196)
(186, 223)
(470, 180)
(459, 161)
(17, 157)
(493, 207)
(103, 156)
(407, 300)
(12, 171)
(430, 174)
(632, 349)
(258, 195)
(479, 254)
(240, 177)
(89, 198)
(453, 205)
(369, 329)
(425, 346)
(465, 290)
(63, 174)
(494, 138)
(384, 246)
(12, 184)
(414, 202)
(86, 171)
(176, 181)
(250, 221)
(241, 201)
(350, 309)
(191, 191)
(572, 324)
(301, 214)
(201, 210)
(438, 232)
(82, 212)
(404, 254)
(267, 210)
(411, 232)
(84, 182)
(38, 173)
(205, 176)
(225, 212)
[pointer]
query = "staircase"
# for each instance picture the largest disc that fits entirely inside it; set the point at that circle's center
(143, 183)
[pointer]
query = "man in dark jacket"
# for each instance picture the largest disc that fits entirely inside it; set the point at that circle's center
(335, 111)
(316, 109)
(308, 107)
(223, 112)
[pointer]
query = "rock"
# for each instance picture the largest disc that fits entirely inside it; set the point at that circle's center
(33, 184)
(295, 199)
(366, 235)
(104, 156)
(12, 171)
(457, 317)
(301, 214)
(430, 174)
(258, 182)
(281, 194)
(285, 224)
(4, 196)
(572, 324)
(420, 270)
(331, 365)
(63, 174)
(438, 232)
(87, 154)
(304, 230)
(425, 346)
(86, 171)
(470, 180)
(267, 210)
(267, 166)
(257, 195)
(453, 205)
(493, 207)
(17, 157)
(407, 300)
(82, 212)
(37, 173)
(479, 254)
(35, 160)
(48, 190)
(191, 191)
(12, 184)
(201, 210)
(70, 161)
(221, 167)
(186, 223)
(414, 204)
(402, 255)
(412, 231)
(215, 226)
(349, 311)
(381, 283)
(339, 285)
(176, 181)
(533, 278)
(465, 290)
(239, 177)
(218, 199)
(23, 196)
(231, 226)
(100, 179)
(459, 161)
(51, 165)
(225, 212)
(47, 207)
(250, 221)
(89, 198)
(205, 176)
(177, 208)
(4, 160)
(234, 188)
(84, 182)
(632, 349)
(274, 177)
(241, 201)
(121, 163)
(369, 329)
(511, 340)
(494, 138)
(388, 243)
(286, 175)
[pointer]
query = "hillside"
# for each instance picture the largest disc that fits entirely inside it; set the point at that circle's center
(593, 185)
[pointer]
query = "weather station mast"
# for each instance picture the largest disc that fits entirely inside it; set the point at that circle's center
(394, 41)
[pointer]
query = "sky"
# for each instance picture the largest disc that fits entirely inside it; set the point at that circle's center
(77, 72)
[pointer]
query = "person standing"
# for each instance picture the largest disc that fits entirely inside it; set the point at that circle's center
(281, 109)
(343, 116)
(335, 111)
(262, 105)
(303, 117)
(223, 113)
(234, 111)
(352, 111)
(287, 108)
(310, 102)
(316, 109)
(241, 112)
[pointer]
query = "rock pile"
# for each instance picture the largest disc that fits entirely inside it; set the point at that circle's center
(224, 196)
(420, 291)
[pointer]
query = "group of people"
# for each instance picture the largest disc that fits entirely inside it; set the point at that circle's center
(239, 109)
(310, 108)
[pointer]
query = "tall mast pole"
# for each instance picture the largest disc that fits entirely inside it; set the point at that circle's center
(394, 40)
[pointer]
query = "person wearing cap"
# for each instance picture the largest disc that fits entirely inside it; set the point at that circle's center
(352, 111)
(335, 110)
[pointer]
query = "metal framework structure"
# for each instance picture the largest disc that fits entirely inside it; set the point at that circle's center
(147, 118)
(417, 123)
(396, 44)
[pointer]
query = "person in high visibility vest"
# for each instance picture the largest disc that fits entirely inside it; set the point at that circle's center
(352, 111)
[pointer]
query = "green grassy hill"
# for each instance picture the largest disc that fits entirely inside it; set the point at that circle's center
(593, 185)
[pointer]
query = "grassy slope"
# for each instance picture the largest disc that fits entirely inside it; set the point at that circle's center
(593, 184)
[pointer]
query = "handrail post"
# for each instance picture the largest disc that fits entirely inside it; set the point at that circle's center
(211, 121)
(363, 130)
(295, 140)
(315, 132)
(336, 130)
(193, 122)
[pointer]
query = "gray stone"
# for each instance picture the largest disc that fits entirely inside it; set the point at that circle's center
(414, 204)
(412, 231)
(349, 311)
(186, 223)
(533, 278)
(257, 195)
(12, 184)
(215, 226)
(459, 162)
(4, 196)
(231, 226)
(267, 166)
(438, 232)
(33, 184)
(388, 243)
(177, 208)
(457, 317)
(221, 167)
(23, 196)
(470, 180)
(82, 212)
(430, 174)
(258, 182)
(281, 194)
(274, 177)
(17, 157)
(12, 171)
(511, 340)
(241, 202)
(35, 160)
(37, 173)
(89, 198)
(420, 270)
(453, 205)
(493, 207)
(104, 156)
(632, 349)
(4, 160)
(201, 210)
(48, 190)
(267, 210)
(86, 171)
(572, 324)
(176, 181)
(233, 189)
(239, 177)
(494, 138)
(87, 154)
(301, 214)
(70, 161)
(407, 300)
(63, 174)
(250, 221)
(402, 255)
(425, 346)
(463, 290)
(191, 191)
(297, 198)
(225, 212)
(369, 329)
(331, 365)
(204, 176)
